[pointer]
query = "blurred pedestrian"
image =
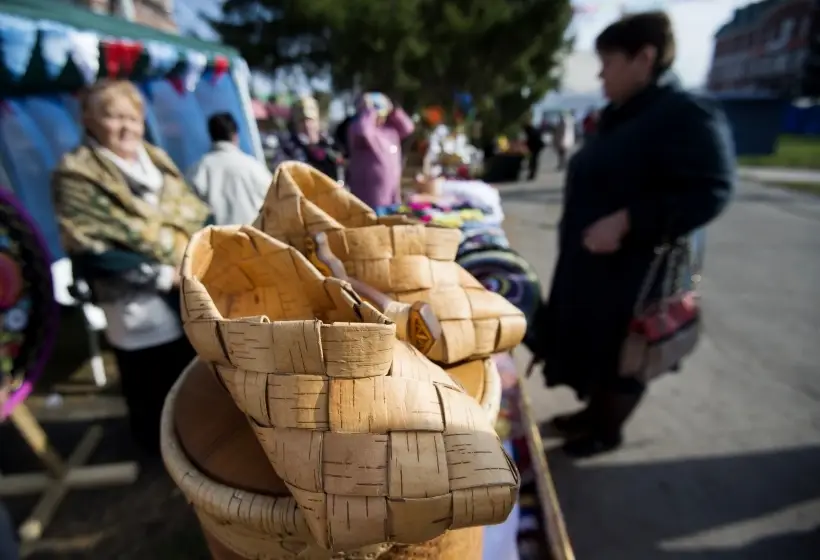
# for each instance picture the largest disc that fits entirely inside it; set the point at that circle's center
(375, 144)
(660, 167)
(231, 182)
(126, 215)
(304, 141)
(535, 145)
(564, 138)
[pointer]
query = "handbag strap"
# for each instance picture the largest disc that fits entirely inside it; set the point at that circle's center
(665, 252)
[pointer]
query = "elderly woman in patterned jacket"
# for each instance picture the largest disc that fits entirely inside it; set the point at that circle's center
(125, 216)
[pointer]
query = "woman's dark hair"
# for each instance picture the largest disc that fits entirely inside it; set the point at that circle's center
(222, 127)
(632, 33)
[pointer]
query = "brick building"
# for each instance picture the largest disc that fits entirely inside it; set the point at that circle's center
(153, 13)
(768, 47)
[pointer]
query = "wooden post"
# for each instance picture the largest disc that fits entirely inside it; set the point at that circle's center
(60, 476)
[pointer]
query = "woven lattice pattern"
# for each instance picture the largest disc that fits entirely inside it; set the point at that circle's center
(302, 200)
(212, 454)
(231, 543)
(416, 263)
(409, 262)
(375, 442)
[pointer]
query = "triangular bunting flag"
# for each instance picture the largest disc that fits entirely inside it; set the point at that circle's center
(131, 52)
(178, 84)
(221, 66)
(55, 46)
(162, 58)
(195, 66)
(18, 37)
(120, 57)
(85, 53)
(109, 51)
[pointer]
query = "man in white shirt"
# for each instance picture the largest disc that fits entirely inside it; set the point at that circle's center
(232, 182)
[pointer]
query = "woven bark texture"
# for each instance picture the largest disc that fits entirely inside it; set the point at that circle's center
(220, 448)
(245, 509)
(375, 443)
(225, 543)
(408, 262)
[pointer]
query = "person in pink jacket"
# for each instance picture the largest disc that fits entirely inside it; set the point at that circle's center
(374, 140)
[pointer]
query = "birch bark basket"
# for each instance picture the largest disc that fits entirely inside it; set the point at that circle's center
(405, 260)
(245, 510)
(375, 443)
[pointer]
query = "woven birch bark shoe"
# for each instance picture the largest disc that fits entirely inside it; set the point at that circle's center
(416, 324)
(246, 511)
(407, 262)
(375, 442)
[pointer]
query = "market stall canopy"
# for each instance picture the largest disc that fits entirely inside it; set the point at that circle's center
(49, 45)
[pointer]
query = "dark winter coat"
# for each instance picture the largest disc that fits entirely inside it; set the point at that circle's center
(667, 157)
(323, 155)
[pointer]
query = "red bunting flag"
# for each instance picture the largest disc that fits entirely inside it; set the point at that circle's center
(178, 84)
(221, 67)
(120, 57)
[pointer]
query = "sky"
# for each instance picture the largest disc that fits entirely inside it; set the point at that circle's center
(695, 23)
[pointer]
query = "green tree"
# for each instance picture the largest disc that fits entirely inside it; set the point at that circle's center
(418, 51)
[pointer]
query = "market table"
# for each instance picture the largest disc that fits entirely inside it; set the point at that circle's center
(537, 501)
(474, 207)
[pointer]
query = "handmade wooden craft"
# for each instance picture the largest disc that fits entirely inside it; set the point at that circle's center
(374, 442)
(28, 312)
(417, 324)
(404, 260)
(245, 509)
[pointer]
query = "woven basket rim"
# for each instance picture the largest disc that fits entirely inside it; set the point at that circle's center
(345, 288)
(195, 484)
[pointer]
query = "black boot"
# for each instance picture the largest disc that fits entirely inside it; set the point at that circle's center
(571, 425)
(609, 411)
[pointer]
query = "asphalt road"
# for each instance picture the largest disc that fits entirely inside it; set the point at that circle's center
(723, 460)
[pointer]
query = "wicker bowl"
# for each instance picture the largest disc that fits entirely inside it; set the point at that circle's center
(244, 508)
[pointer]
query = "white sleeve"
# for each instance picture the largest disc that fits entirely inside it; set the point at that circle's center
(265, 175)
(262, 179)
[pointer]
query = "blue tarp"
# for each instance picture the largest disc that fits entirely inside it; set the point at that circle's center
(36, 131)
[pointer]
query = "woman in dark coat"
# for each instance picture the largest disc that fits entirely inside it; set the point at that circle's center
(660, 166)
